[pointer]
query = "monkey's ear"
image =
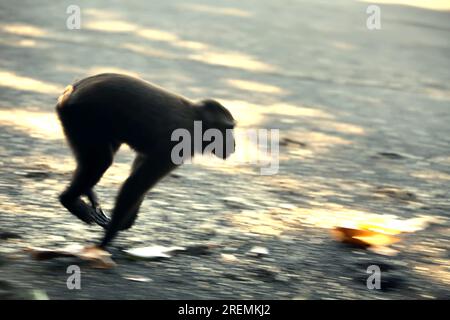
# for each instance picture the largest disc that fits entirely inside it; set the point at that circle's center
(216, 114)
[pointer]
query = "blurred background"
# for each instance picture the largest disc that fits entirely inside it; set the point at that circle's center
(364, 141)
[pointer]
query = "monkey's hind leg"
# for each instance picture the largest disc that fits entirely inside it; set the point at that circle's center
(91, 165)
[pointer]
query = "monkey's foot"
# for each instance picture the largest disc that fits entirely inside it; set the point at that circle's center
(99, 217)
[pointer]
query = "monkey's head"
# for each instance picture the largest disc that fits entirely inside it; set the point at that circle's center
(219, 140)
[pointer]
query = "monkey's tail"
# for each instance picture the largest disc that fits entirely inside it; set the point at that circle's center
(63, 97)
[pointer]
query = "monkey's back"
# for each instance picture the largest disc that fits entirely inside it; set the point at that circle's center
(119, 108)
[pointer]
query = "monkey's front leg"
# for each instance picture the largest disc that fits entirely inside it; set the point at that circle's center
(126, 206)
(144, 176)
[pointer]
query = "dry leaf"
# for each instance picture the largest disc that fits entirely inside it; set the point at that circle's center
(363, 238)
(98, 257)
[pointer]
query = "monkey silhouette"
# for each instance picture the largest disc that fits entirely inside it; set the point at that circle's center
(100, 113)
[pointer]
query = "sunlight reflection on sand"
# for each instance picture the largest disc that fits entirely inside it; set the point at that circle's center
(278, 220)
(43, 125)
(425, 4)
(23, 30)
(227, 11)
(15, 81)
(254, 86)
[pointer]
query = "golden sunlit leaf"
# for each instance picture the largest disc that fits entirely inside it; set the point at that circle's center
(363, 237)
(378, 239)
(379, 229)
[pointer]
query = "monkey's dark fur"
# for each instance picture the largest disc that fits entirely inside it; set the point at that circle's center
(101, 112)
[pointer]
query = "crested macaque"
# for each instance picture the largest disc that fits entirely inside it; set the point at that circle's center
(101, 112)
